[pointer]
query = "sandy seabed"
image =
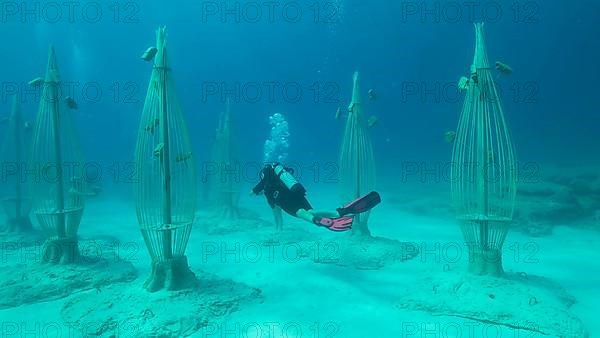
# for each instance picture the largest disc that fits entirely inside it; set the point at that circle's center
(298, 283)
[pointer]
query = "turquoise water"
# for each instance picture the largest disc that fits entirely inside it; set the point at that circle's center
(284, 73)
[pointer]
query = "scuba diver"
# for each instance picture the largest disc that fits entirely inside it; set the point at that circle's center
(283, 191)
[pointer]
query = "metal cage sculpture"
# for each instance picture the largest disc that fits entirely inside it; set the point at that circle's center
(357, 163)
(15, 202)
(165, 189)
(224, 159)
(484, 170)
(56, 156)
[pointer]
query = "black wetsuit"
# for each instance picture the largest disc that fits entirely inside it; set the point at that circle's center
(278, 194)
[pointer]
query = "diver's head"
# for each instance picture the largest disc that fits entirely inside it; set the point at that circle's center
(267, 169)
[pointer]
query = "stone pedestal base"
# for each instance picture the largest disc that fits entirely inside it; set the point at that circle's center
(527, 306)
(485, 262)
(362, 252)
(24, 281)
(172, 275)
(120, 311)
(360, 230)
(60, 250)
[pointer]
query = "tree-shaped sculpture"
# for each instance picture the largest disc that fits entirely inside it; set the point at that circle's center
(357, 164)
(57, 188)
(484, 176)
(14, 154)
(224, 186)
(165, 189)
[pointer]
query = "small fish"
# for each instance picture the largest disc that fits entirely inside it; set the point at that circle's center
(150, 127)
(338, 113)
(159, 149)
(372, 121)
(27, 126)
(463, 84)
(36, 82)
(372, 95)
(149, 54)
(76, 180)
(71, 103)
(75, 192)
(183, 157)
(503, 68)
(474, 74)
(351, 107)
(96, 189)
(450, 136)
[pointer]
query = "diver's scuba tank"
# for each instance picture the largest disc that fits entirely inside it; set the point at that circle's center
(288, 179)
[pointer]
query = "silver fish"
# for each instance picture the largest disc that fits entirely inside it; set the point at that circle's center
(149, 54)
(372, 95)
(503, 68)
(36, 82)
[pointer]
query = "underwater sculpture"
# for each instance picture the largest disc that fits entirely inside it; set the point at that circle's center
(223, 215)
(15, 202)
(165, 189)
(357, 163)
(226, 208)
(357, 181)
(54, 174)
(57, 201)
(165, 196)
(484, 171)
(484, 185)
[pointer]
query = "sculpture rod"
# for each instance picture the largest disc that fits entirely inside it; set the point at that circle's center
(167, 219)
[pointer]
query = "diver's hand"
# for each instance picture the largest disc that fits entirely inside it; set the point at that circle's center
(257, 194)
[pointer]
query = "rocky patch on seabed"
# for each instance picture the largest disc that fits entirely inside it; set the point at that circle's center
(131, 311)
(522, 302)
